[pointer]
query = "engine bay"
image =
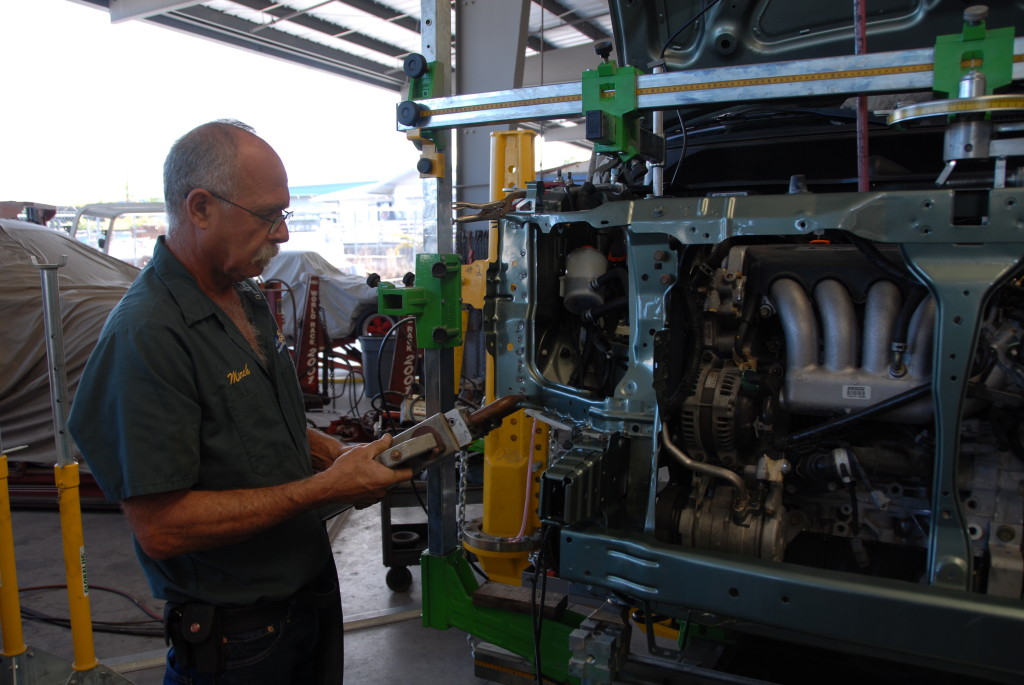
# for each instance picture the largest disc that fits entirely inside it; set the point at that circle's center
(792, 383)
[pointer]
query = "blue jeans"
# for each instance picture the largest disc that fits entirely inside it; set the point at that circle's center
(282, 653)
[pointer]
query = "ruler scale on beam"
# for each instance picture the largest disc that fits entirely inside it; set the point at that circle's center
(883, 72)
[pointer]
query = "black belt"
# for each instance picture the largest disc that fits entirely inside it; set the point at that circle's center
(200, 617)
(243, 619)
(198, 630)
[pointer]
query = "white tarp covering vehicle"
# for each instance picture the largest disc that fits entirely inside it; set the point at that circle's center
(345, 298)
(91, 283)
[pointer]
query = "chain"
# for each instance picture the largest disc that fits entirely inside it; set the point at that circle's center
(460, 520)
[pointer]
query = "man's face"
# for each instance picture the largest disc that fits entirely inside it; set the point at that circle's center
(242, 242)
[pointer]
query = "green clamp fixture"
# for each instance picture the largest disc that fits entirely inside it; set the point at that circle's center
(436, 301)
(610, 108)
(610, 105)
(975, 49)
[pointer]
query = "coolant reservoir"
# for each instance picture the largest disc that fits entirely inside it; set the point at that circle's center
(582, 266)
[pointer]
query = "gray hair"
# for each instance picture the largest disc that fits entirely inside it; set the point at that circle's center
(202, 158)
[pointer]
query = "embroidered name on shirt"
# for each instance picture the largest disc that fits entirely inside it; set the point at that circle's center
(235, 376)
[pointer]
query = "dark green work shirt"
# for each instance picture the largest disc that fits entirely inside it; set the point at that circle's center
(173, 397)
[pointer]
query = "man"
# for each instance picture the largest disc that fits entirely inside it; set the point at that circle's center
(190, 415)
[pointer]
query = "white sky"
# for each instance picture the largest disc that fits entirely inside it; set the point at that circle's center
(90, 108)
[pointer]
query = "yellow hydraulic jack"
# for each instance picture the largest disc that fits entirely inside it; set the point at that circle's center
(23, 664)
(515, 454)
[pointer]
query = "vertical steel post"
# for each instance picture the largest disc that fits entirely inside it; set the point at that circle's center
(658, 126)
(66, 476)
(55, 356)
(439, 364)
(436, 34)
(860, 44)
(442, 495)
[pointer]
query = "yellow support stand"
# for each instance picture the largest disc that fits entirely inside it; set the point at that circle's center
(69, 500)
(22, 665)
(508, 449)
(34, 666)
(10, 605)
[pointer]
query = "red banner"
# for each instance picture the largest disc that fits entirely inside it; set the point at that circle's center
(403, 365)
(310, 344)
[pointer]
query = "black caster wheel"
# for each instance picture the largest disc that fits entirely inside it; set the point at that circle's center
(399, 578)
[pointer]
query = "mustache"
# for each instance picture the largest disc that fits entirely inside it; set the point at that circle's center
(265, 254)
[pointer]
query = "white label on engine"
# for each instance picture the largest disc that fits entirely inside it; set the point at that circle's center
(857, 392)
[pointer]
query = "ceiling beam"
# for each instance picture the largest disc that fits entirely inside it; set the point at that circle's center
(323, 26)
(123, 10)
(539, 45)
(225, 28)
(588, 29)
(384, 12)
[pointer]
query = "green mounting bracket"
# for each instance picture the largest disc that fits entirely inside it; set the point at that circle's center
(610, 107)
(977, 48)
(448, 586)
(424, 84)
(436, 301)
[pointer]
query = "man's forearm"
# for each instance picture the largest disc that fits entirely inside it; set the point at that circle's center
(182, 521)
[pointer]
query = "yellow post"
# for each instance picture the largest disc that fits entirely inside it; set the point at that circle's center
(507, 449)
(69, 501)
(10, 606)
(460, 351)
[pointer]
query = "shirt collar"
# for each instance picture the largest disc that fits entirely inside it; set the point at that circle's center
(194, 303)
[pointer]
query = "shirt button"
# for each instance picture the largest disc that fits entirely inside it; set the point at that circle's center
(194, 628)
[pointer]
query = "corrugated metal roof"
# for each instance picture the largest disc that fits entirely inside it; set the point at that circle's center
(362, 39)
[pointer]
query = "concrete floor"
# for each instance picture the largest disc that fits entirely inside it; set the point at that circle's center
(379, 622)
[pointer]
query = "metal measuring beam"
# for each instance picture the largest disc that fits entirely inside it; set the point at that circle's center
(883, 72)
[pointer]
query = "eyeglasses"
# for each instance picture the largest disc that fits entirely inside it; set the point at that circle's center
(274, 223)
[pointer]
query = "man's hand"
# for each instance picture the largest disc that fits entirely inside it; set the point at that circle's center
(358, 472)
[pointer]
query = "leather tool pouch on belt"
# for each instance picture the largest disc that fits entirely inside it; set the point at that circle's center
(194, 630)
